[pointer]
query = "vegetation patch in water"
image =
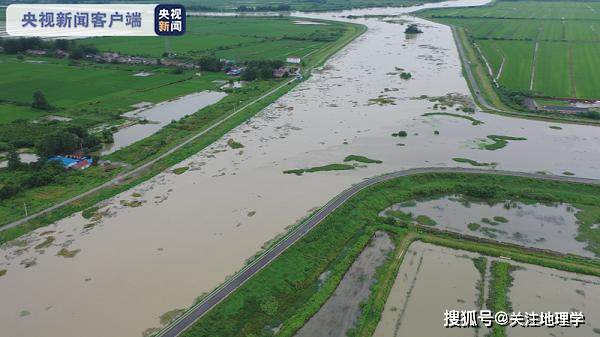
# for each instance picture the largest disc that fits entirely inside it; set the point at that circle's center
(425, 220)
(500, 141)
(473, 121)
(500, 219)
(473, 162)
(362, 159)
(473, 226)
(2, 272)
(46, 243)
(405, 75)
(400, 134)
(88, 213)
(180, 170)
(330, 167)
(568, 173)
(170, 315)
(64, 252)
(382, 100)
(234, 145)
(481, 265)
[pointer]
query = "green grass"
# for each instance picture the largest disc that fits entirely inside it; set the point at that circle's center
(425, 220)
(11, 112)
(362, 159)
(473, 162)
(292, 279)
(500, 141)
(500, 284)
(474, 121)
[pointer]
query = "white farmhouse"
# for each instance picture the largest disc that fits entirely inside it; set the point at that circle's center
(293, 60)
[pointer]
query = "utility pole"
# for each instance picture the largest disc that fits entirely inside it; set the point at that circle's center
(25, 206)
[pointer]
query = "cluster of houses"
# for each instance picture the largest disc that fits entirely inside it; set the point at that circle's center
(61, 54)
(284, 71)
(109, 57)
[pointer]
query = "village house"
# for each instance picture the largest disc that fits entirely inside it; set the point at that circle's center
(35, 52)
(293, 60)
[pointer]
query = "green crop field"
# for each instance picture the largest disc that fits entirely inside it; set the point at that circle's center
(543, 48)
(93, 87)
(240, 39)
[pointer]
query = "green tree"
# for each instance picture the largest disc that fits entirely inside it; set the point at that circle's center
(40, 101)
(62, 142)
(14, 161)
(413, 29)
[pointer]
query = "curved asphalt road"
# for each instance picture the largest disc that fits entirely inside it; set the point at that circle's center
(176, 327)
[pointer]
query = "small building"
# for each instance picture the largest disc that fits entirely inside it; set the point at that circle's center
(235, 71)
(73, 161)
(36, 52)
(61, 54)
(282, 72)
(293, 60)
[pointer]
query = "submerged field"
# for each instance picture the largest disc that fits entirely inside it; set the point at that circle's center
(545, 48)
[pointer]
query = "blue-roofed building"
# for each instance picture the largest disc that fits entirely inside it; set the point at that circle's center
(80, 163)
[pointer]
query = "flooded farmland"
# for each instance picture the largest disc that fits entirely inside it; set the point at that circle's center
(546, 226)
(341, 311)
(158, 246)
(154, 117)
(541, 289)
(433, 279)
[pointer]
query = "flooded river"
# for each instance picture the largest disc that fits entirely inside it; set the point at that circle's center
(157, 247)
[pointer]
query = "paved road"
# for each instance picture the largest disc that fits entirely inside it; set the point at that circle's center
(120, 178)
(467, 67)
(193, 314)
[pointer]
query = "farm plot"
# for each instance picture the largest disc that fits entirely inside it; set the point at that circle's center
(552, 70)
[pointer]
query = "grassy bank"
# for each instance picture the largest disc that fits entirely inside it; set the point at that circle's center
(500, 283)
(294, 280)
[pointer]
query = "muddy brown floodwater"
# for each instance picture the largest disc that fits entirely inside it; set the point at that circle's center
(342, 309)
(158, 246)
(433, 279)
